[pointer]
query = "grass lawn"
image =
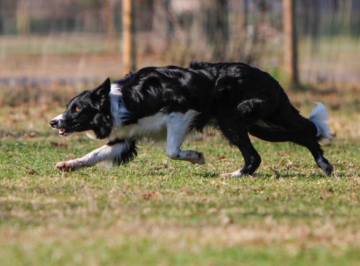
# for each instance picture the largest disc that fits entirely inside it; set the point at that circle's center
(155, 211)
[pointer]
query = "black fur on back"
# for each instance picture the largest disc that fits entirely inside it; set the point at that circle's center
(169, 89)
(214, 90)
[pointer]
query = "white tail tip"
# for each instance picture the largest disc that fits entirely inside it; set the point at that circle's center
(318, 116)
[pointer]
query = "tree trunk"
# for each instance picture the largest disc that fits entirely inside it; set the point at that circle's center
(169, 23)
(222, 29)
(22, 17)
(129, 46)
(215, 26)
(291, 59)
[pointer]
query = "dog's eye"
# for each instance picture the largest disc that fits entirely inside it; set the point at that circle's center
(76, 109)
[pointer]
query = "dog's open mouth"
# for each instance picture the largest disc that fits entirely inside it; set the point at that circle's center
(64, 132)
(69, 130)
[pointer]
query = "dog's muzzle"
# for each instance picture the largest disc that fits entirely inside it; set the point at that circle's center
(57, 123)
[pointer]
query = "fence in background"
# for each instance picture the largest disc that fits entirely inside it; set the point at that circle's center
(81, 39)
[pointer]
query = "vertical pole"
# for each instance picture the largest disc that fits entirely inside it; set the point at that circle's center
(169, 23)
(291, 54)
(22, 17)
(245, 14)
(221, 28)
(129, 52)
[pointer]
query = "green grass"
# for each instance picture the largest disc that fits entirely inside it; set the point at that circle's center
(155, 211)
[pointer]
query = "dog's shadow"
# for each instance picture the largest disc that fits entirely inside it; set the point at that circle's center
(263, 176)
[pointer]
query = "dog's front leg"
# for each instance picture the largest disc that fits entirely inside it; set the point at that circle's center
(177, 128)
(115, 152)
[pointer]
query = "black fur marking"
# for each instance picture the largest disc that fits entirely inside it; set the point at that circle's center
(115, 141)
(127, 155)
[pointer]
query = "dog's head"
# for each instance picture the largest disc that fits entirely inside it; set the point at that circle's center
(90, 110)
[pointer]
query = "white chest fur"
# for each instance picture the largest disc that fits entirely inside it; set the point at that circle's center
(155, 126)
(151, 126)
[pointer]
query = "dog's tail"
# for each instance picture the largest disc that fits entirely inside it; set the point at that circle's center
(318, 116)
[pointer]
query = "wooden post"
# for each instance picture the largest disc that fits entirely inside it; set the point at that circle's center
(221, 28)
(291, 54)
(169, 23)
(128, 32)
(22, 17)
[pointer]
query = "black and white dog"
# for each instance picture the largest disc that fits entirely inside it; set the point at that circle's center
(171, 101)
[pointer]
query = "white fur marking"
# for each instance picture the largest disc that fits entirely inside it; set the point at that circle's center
(105, 154)
(148, 126)
(177, 128)
(321, 163)
(237, 173)
(318, 116)
(178, 125)
(119, 111)
(91, 134)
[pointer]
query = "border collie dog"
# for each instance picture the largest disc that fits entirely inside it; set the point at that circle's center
(171, 101)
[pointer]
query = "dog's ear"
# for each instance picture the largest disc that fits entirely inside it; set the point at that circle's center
(101, 93)
(103, 89)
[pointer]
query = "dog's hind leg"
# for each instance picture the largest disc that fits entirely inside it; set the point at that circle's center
(317, 153)
(178, 125)
(305, 136)
(237, 135)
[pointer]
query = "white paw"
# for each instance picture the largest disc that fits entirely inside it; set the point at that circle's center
(69, 165)
(234, 174)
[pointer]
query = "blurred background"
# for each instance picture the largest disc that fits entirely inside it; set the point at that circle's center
(48, 46)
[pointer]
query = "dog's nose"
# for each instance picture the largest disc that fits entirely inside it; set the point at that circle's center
(53, 123)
